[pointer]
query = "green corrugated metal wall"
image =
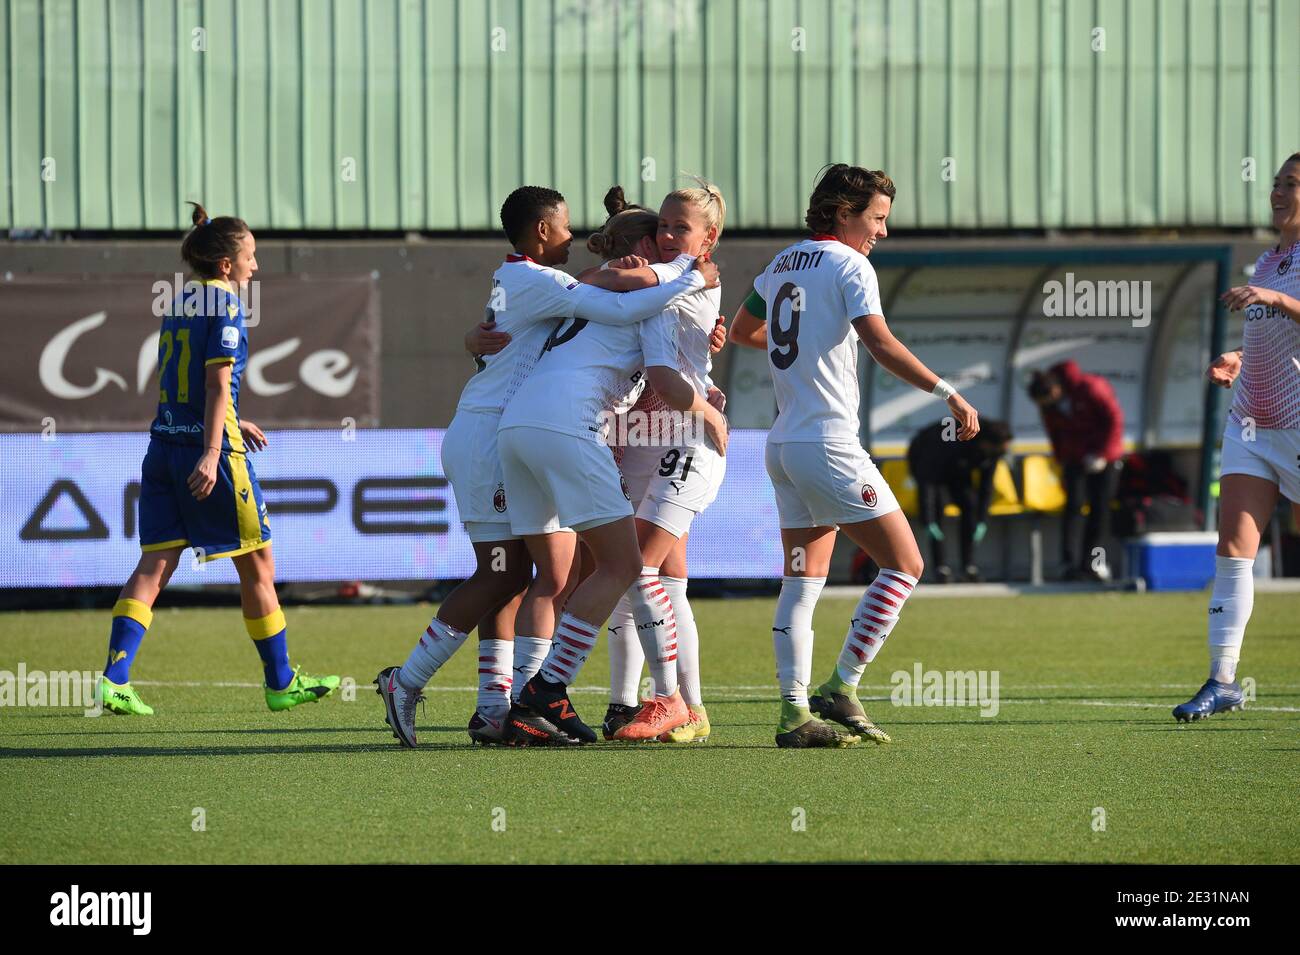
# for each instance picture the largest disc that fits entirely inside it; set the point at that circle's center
(1045, 131)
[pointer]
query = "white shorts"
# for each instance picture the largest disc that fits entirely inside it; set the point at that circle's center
(559, 481)
(820, 485)
(471, 463)
(1273, 455)
(669, 486)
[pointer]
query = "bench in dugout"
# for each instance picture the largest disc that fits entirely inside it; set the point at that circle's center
(1040, 492)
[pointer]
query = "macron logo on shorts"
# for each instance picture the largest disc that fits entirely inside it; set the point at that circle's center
(230, 337)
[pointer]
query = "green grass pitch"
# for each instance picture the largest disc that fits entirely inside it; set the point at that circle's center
(1083, 728)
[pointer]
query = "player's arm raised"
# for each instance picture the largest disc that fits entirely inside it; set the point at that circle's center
(1238, 298)
(627, 274)
(216, 399)
(898, 360)
(628, 308)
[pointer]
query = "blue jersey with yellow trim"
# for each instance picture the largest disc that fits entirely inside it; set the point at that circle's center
(205, 326)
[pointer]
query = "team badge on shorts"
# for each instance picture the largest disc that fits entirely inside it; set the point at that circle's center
(622, 483)
(1284, 266)
(499, 499)
(868, 495)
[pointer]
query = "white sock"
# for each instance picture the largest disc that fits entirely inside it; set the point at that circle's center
(495, 665)
(439, 642)
(528, 656)
(625, 657)
(792, 636)
(1230, 606)
(573, 643)
(656, 628)
(688, 640)
(875, 617)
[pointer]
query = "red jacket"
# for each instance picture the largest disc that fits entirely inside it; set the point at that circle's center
(1088, 420)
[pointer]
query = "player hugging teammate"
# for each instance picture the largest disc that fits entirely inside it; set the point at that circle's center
(672, 473)
(529, 472)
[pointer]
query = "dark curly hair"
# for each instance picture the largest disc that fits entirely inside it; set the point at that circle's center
(524, 206)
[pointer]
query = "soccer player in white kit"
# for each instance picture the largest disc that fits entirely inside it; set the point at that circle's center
(1261, 440)
(814, 296)
(560, 473)
(672, 474)
(529, 298)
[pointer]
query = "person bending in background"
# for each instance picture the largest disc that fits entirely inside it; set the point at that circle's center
(939, 462)
(1084, 421)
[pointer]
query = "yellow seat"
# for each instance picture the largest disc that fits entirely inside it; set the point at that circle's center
(900, 481)
(1042, 482)
(1005, 501)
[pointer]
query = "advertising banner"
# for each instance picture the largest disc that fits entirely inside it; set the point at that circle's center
(346, 504)
(81, 352)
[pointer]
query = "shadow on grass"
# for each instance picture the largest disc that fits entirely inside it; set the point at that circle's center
(326, 748)
(1220, 728)
(222, 732)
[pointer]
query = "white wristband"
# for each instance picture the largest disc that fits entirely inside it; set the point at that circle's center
(943, 390)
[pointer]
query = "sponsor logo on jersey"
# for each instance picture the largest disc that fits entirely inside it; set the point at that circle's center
(1284, 266)
(230, 337)
(868, 495)
(622, 482)
(499, 499)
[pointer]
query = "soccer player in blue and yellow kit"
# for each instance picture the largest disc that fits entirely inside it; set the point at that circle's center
(197, 486)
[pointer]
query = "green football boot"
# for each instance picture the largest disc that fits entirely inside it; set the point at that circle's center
(799, 729)
(838, 701)
(122, 700)
(303, 688)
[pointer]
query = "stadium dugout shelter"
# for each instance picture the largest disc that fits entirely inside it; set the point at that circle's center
(1145, 316)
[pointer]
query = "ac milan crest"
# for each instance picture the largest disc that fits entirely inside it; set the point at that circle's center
(499, 499)
(868, 495)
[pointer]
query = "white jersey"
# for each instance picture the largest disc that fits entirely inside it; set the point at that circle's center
(1268, 389)
(697, 314)
(529, 300)
(589, 371)
(814, 290)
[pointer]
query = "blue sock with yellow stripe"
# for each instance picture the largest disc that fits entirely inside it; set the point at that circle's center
(269, 635)
(131, 618)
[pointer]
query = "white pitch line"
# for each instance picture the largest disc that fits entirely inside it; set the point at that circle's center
(771, 688)
(1003, 701)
